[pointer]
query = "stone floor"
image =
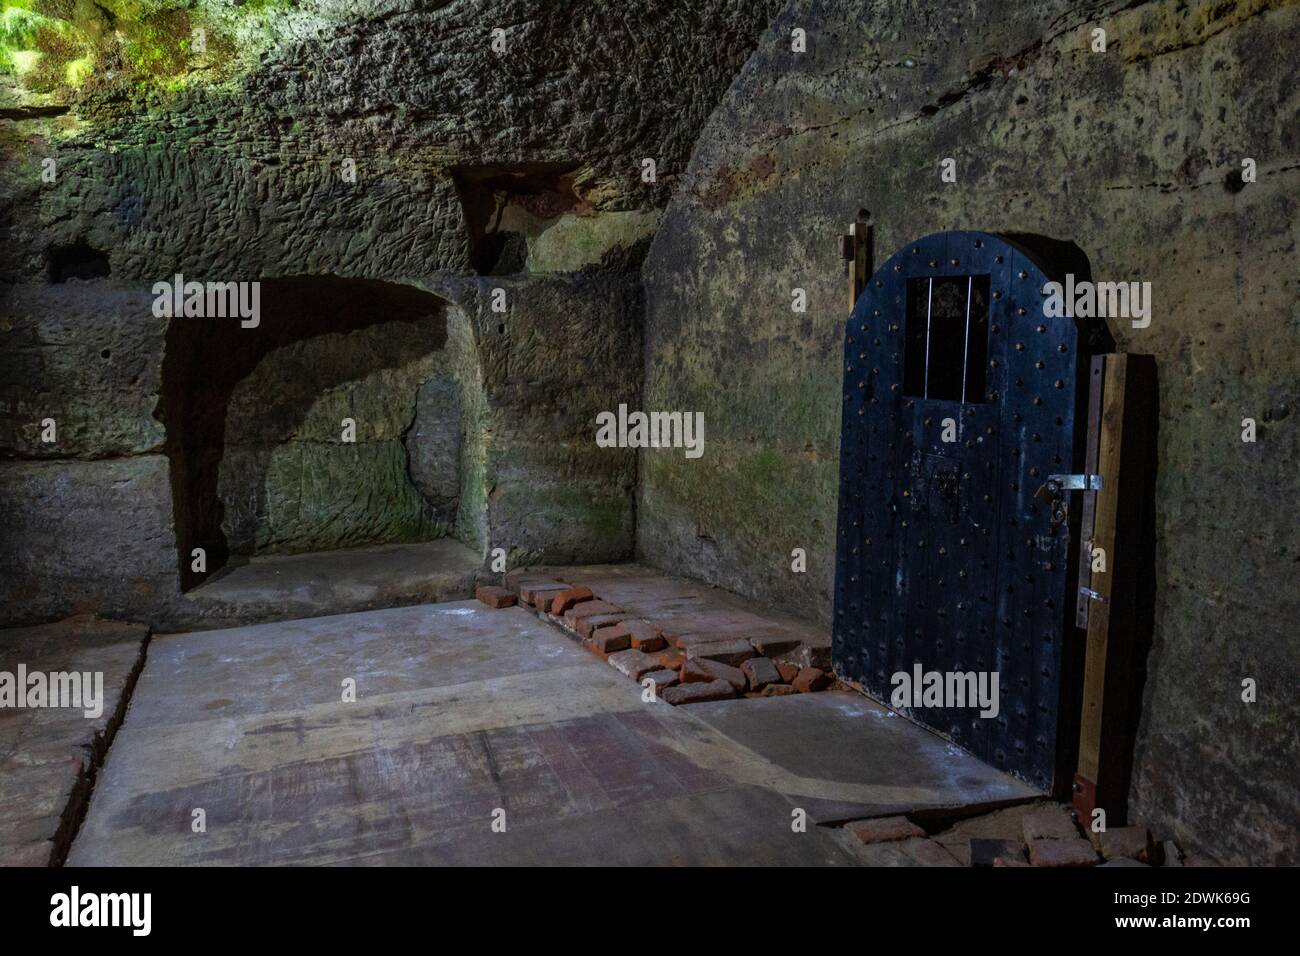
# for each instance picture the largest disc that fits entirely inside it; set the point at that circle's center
(48, 755)
(292, 586)
(465, 717)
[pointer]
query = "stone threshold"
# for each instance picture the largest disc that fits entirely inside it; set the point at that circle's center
(290, 587)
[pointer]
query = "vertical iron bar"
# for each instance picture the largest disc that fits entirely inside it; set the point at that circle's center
(965, 352)
(929, 302)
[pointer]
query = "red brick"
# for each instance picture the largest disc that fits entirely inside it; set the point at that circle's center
(760, 672)
(649, 642)
(731, 652)
(591, 609)
(663, 679)
(633, 663)
(590, 645)
(692, 673)
(776, 690)
(884, 829)
(1053, 822)
(1132, 842)
(698, 693)
(673, 660)
(644, 635)
(770, 645)
(788, 672)
(810, 679)
(529, 590)
(702, 671)
(587, 626)
(588, 609)
(567, 598)
(494, 597)
(1075, 851)
(608, 640)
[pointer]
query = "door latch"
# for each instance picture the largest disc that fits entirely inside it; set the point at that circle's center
(1094, 595)
(1055, 484)
(1052, 492)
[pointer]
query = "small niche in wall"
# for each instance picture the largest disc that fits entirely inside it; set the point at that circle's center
(76, 261)
(506, 204)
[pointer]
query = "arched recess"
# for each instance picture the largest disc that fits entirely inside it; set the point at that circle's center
(349, 416)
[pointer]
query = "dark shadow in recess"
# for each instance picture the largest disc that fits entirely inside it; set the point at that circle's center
(543, 190)
(206, 358)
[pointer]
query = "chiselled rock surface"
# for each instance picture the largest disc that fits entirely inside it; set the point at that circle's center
(1134, 155)
(87, 355)
(244, 176)
(85, 536)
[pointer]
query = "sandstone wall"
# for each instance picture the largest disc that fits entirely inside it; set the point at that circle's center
(228, 164)
(1136, 156)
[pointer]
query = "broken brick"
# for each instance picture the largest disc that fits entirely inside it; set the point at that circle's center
(587, 626)
(771, 645)
(494, 597)
(645, 636)
(731, 652)
(648, 642)
(816, 656)
(1053, 823)
(776, 690)
(986, 852)
(699, 638)
(883, 829)
(591, 645)
(1072, 852)
(1132, 842)
(537, 595)
(788, 671)
(567, 598)
(702, 670)
(760, 672)
(663, 679)
(609, 641)
(590, 609)
(673, 660)
(635, 664)
(810, 679)
(698, 693)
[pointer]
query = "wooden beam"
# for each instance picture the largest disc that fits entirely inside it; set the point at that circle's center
(1110, 442)
(1121, 602)
(857, 252)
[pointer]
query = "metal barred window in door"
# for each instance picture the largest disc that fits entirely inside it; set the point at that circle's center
(959, 403)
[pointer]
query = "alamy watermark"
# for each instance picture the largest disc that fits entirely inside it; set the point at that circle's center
(651, 430)
(208, 300)
(948, 689)
(34, 689)
(75, 908)
(1099, 300)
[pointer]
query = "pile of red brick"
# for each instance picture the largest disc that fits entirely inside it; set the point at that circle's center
(685, 668)
(1042, 834)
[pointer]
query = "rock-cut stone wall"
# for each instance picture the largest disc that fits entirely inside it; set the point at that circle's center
(328, 142)
(1136, 155)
